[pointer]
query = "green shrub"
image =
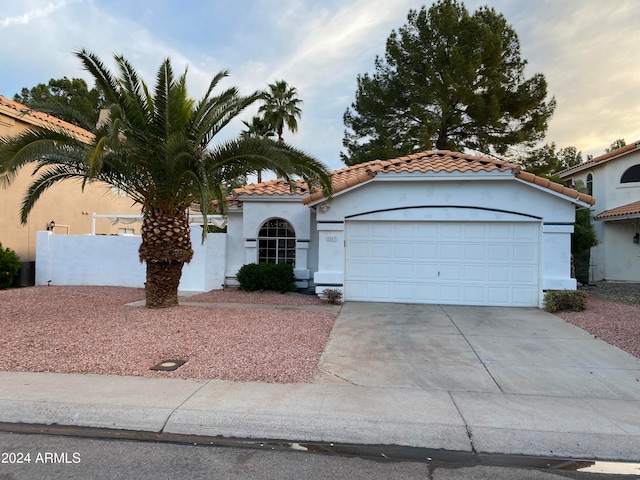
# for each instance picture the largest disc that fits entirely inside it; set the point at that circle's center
(9, 266)
(559, 300)
(267, 276)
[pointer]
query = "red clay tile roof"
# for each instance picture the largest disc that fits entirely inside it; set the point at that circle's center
(39, 119)
(430, 161)
(623, 211)
(597, 161)
(273, 187)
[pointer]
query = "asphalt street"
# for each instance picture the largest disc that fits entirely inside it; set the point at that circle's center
(43, 456)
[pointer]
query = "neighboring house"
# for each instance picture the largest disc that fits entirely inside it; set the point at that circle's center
(434, 227)
(614, 179)
(65, 204)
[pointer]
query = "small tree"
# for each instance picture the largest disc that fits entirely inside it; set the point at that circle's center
(547, 162)
(9, 267)
(582, 240)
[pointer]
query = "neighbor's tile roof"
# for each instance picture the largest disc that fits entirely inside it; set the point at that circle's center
(597, 161)
(623, 211)
(25, 114)
(430, 161)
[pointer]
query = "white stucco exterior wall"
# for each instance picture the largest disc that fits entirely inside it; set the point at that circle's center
(243, 228)
(616, 257)
(495, 198)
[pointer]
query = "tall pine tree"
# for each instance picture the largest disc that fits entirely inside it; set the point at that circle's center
(449, 80)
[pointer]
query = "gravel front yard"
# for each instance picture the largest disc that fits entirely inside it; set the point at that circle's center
(613, 314)
(92, 330)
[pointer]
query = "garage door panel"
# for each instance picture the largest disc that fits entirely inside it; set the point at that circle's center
(426, 252)
(403, 251)
(523, 274)
(449, 273)
(525, 232)
(474, 294)
(379, 271)
(405, 230)
(451, 294)
(403, 272)
(451, 231)
(483, 263)
(359, 249)
(498, 295)
(380, 250)
(451, 251)
(380, 231)
(499, 232)
(428, 231)
(428, 293)
(474, 252)
(426, 272)
(524, 253)
(498, 273)
(498, 253)
(523, 296)
(475, 273)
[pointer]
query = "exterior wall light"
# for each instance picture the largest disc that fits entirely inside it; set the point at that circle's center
(636, 238)
(51, 226)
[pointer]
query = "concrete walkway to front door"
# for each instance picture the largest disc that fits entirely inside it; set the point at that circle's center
(505, 369)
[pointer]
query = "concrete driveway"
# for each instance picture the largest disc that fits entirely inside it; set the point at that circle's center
(495, 350)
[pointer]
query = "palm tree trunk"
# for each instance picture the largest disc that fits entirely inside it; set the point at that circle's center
(166, 246)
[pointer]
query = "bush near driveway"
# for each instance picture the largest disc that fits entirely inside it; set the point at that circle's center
(561, 300)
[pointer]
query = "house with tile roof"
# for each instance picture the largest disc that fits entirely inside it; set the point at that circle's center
(614, 179)
(65, 204)
(433, 227)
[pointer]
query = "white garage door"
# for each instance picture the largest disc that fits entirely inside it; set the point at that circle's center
(458, 263)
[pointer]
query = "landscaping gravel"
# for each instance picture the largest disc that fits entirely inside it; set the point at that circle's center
(91, 330)
(612, 314)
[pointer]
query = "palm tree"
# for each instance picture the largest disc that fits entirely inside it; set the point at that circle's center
(280, 107)
(258, 128)
(155, 147)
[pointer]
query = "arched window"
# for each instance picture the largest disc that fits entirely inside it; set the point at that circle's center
(631, 175)
(277, 242)
(590, 184)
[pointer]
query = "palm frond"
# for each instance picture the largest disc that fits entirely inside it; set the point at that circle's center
(101, 75)
(47, 179)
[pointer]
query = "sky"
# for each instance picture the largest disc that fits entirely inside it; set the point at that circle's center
(588, 50)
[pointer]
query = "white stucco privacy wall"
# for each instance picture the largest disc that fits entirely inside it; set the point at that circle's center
(113, 261)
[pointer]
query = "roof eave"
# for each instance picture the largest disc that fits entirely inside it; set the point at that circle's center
(601, 160)
(271, 197)
(576, 200)
(612, 218)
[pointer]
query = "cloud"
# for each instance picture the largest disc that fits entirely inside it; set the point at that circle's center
(330, 45)
(31, 15)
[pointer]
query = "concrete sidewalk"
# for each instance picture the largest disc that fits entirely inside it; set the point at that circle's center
(514, 381)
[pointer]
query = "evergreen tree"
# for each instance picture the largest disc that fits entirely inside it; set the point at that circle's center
(449, 80)
(69, 100)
